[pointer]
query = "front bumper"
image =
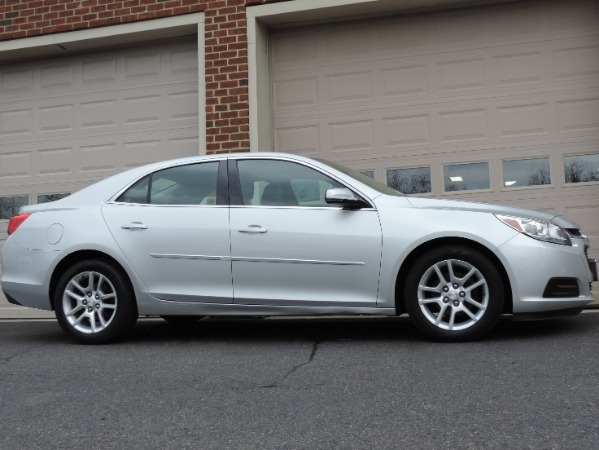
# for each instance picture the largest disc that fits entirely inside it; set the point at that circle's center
(531, 264)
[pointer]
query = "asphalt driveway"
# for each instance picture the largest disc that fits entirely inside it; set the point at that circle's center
(292, 383)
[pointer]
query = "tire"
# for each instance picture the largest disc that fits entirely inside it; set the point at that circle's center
(183, 321)
(454, 293)
(94, 303)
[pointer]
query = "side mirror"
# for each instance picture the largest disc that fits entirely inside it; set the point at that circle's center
(345, 198)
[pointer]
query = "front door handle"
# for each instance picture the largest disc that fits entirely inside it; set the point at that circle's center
(253, 229)
(135, 226)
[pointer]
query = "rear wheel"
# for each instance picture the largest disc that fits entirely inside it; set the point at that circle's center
(94, 304)
(454, 293)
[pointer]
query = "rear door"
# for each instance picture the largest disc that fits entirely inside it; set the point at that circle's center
(173, 228)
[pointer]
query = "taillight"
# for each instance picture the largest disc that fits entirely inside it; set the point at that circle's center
(15, 221)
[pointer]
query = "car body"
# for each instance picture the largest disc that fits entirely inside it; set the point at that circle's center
(263, 234)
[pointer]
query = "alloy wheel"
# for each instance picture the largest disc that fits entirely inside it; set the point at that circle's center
(453, 295)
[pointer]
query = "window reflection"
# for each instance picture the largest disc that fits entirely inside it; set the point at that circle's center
(415, 180)
(526, 172)
(581, 168)
(9, 206)
(45, 198)
(465, 177)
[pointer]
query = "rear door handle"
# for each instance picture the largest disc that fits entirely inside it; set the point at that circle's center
(135, 226)
(253, 229)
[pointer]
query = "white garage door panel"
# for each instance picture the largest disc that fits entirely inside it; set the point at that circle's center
(68, 122)
(485, 84)
(85, 117)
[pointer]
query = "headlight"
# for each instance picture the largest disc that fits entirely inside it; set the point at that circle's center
(537, 229)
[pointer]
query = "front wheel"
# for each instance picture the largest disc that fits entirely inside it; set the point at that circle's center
(454, 293)
(94, 304)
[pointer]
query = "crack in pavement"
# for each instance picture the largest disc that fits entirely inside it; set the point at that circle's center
(295, 368)
(27, 350)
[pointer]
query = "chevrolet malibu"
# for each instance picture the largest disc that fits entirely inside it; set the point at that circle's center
(270, 234)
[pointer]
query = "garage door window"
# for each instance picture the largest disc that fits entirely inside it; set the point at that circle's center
(9, 206)
(45, 198)
(466, 177)
(526, 172)
(415, 180)
(581, 168)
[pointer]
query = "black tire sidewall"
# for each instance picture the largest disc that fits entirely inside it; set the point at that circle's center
(489, 272)
(126, 311)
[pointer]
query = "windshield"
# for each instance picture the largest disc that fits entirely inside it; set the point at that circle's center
(376, 185)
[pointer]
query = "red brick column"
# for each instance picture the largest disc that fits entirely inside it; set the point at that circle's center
(227, 109)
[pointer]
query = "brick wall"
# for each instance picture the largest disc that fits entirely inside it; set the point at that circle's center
(227, 113)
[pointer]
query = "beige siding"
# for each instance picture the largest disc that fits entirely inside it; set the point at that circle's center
(483, 84)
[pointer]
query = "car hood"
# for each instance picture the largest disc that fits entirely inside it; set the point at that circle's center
(431, 203)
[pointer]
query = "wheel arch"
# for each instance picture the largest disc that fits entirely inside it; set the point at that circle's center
(434, 243)
(82, 255)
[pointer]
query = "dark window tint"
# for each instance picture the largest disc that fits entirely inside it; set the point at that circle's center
(283, 183)
(138, 193)
(193, 184)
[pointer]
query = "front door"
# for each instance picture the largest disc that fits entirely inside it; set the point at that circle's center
(289, 247)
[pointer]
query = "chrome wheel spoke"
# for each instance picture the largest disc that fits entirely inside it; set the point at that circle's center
(468, 275)
(440, 315)
(425, 301)
(436, 289)
(74, 310)
(451, 318)
(470, 313)
(475, 303)
(74, 296)
(475, 285)
(78, 286)
(88, 313)
(92, 321)
(439, 274)
(90, 281)
(453, 293)
(102, 320)
(79, 319)
(452, 276)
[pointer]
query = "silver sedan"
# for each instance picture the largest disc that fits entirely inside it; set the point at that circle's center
(275, 234)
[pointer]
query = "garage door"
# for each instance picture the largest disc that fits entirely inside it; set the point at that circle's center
(67, 122)
(496, 103)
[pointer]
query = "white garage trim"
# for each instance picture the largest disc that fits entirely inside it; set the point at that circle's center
(61, 44)
(262, 16)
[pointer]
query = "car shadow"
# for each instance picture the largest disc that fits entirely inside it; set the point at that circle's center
(341, 328)
(366, 329)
